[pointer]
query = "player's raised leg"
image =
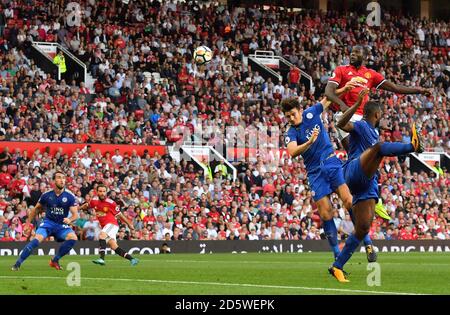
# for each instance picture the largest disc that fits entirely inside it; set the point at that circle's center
(372, 157)
(108, 237)
(122, 253)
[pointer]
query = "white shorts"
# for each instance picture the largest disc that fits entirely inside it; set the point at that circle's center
(341, 133)
(111, 231)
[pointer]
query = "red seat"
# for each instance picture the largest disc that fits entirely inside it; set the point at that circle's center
(6, 33)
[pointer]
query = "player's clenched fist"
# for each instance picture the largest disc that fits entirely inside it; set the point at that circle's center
(314, 135)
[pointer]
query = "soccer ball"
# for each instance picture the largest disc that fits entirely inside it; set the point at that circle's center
(202, 55)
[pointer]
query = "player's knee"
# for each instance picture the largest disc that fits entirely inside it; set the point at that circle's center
(39, 237)
(113, 244)
(325, 211)
(72, 236)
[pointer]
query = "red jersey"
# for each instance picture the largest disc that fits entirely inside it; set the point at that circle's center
(106, 210)
(17, 187)
(363, 78)
(5, 179)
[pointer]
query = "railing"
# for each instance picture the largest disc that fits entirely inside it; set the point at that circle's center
(45, 64)
(73, 58)
(271, 55)
(275, 75)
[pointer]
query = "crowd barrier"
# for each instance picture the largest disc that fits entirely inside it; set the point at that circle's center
(211, 247)
(69, 148)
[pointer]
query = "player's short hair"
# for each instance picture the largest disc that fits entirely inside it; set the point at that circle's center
(364, 49)
(58, 172)
(289, 104)
(371, 107)
(102, 185)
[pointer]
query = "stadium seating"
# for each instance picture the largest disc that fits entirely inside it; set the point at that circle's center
(162, 51)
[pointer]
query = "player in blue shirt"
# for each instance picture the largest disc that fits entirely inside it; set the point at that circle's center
(307, 137)
(57, 204)
(361, 171)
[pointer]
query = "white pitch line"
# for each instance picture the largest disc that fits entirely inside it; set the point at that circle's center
(218, 284)
(277, 262)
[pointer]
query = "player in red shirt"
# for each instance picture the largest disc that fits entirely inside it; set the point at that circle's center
(343, 89)
(107, 212)
(353, 78)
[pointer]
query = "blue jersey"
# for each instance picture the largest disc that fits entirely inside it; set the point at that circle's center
(362, 137)
(57, 207)
(321, 149)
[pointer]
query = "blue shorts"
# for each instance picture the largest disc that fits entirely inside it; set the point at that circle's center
(50, 228)
(326, 178)
(361, 187)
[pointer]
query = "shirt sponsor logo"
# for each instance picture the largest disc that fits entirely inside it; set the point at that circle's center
(287, 139)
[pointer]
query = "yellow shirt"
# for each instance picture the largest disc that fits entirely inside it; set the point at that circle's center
(60, 61)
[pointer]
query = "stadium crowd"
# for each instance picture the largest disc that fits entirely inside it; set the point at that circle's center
(121, 43)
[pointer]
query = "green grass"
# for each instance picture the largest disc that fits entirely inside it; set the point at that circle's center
(219, 274)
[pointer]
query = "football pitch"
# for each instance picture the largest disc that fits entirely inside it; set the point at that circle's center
(231, 274)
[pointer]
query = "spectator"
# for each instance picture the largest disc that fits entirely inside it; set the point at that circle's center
(91, 229)
(346, 227)
(60, 61)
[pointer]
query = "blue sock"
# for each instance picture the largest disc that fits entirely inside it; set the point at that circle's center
(395, 148)
(27, 251)
(367, 240)
(350, 246)
(64, 249)
(331, 233)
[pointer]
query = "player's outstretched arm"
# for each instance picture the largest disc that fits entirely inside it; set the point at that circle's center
(392, 87)
(330, 93)
(295, 150)
(344, 123)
